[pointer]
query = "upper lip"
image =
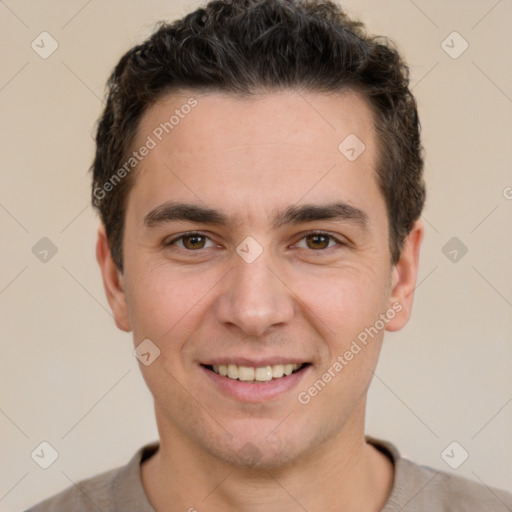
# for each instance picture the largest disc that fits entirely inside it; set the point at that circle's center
(253, 363)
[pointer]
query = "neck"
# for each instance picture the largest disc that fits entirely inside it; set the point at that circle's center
(349, 472)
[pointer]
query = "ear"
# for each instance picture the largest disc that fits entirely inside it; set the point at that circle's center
(403, 278)
(112, 281)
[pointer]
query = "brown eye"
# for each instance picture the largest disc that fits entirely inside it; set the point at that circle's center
(192, 242)
(318, 241)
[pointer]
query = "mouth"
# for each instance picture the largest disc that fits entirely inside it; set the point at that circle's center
(255, 381)
(256, 375)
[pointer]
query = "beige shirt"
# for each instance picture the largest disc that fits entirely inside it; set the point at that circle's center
(415, 489)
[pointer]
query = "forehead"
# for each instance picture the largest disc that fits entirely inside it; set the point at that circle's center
(246, 151)
(314, 121)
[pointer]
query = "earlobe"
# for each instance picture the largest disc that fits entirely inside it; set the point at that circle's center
(112, 281)
(403, 278)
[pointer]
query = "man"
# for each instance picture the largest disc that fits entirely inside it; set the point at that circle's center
(259, 180)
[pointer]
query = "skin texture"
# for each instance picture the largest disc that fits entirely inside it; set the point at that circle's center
(250, 158)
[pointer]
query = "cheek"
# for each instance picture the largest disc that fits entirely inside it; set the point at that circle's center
(158, 299)
(166, 305)
(344, 300)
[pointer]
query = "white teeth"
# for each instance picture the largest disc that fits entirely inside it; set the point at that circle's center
(261, 374)
(245, 373)
(232, 371)
(277, 371)
(288, 369)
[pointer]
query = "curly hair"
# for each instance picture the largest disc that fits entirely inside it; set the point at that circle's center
(247, 47)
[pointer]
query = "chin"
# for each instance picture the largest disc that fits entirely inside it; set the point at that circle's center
(257, 447)
(257, 456)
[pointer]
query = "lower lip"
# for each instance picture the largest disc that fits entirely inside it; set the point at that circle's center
(256, 391)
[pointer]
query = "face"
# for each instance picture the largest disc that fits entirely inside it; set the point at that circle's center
(254, 246)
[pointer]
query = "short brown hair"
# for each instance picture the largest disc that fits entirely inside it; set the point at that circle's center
(248, 46)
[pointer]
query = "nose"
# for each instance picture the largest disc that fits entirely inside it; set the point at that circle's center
(254, 297)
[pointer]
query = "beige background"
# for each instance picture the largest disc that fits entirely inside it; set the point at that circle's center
(69, 376)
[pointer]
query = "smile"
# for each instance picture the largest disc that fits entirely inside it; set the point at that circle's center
(250, 374)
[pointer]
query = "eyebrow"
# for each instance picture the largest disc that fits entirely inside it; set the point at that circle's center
(172, 211)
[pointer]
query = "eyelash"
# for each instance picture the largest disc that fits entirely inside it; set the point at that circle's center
(305, 235)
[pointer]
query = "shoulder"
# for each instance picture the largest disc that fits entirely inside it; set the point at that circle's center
(419, 488)
(89, 495)
(110, 491)
(453, 493)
